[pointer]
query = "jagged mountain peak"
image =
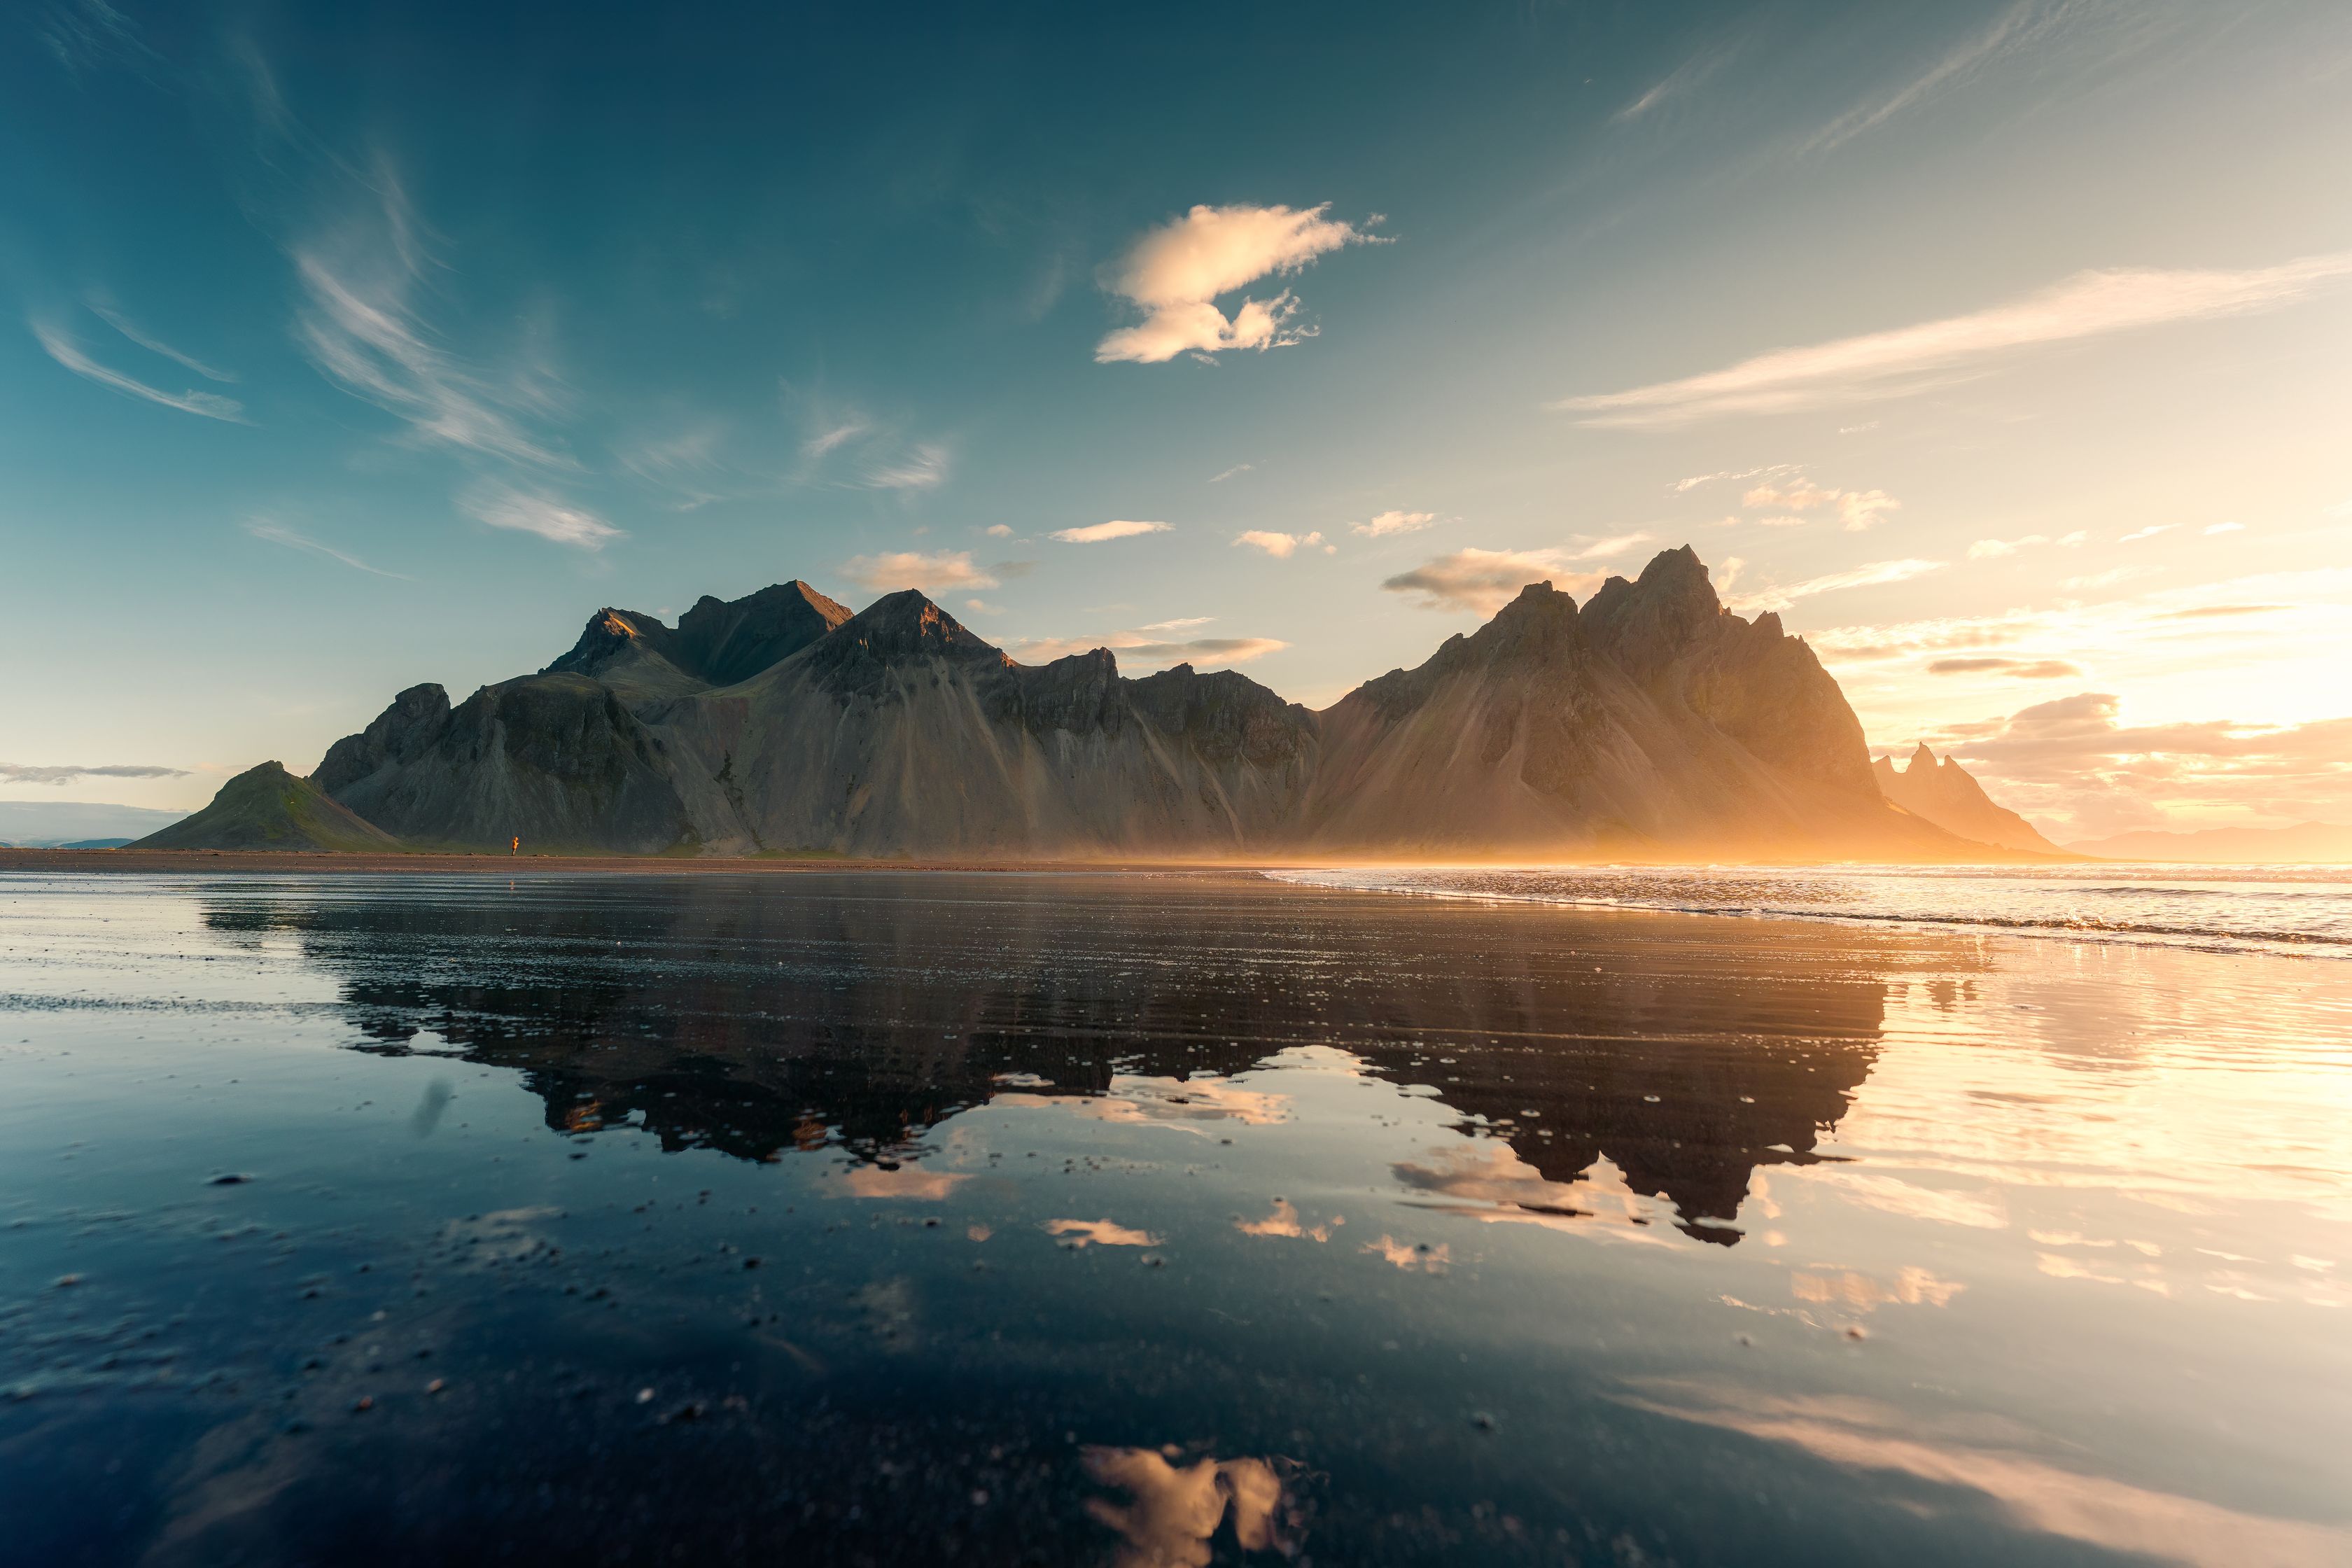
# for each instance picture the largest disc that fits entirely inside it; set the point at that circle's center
(1948, 794)
(719, 642)
(1648, 622)
(727, 642)
(901, 627)
(610, 634)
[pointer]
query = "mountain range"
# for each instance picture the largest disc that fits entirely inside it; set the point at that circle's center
(1650, 722)
(1949, 795)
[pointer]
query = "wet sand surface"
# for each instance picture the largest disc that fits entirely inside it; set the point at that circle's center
(1080, 1217)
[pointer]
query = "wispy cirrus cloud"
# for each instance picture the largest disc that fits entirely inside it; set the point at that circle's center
(2021, 668)
(528, 511)
(106, 310)
(263, 528)
(1174, 274)
(1909, 359)
(1593, 549)
(836, 432)
(925, 468)
(360, 327)
(2022, 25)
(24, 773)
(84, 35)
(1679, 83)
(1238, 470)
(683, 464)
(1996, 549)
(932, 571)
(1871, 577)
(1135, 647)
(61, 348)
(1102, 532)
(1484, 581)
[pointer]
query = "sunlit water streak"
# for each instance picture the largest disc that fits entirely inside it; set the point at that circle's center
(2300, 909)
(1152, 1220)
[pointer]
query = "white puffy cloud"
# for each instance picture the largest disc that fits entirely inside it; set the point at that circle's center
(1388, 522)
(1857, 509)
(1484, 581)
(2078, 757)
(1174, 273)
(933, 573)
(1994, 549)
(1911, 359)
(1098, 532)
(1282, 545)
(527, 511)
(997, 530)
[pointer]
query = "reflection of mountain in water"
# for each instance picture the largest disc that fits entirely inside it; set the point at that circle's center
(761, 1015)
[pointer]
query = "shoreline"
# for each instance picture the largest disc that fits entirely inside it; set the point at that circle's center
(371, 863)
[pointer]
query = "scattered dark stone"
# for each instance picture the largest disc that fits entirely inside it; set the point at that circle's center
(233, 1179)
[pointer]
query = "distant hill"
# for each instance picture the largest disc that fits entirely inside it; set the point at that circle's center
(2305, 843)
(1650, 722)
(76, 824)
(1949, 795)
(269, 808)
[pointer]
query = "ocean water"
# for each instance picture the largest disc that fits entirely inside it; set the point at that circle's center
(1178, 1219)
(2305, 910)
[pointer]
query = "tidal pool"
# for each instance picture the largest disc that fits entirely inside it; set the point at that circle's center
(1151, 1219)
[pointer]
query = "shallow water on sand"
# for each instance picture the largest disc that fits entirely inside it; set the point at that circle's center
(2299, 910)
(1150, 1220)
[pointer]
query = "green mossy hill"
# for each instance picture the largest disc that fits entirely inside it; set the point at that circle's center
(269, 808)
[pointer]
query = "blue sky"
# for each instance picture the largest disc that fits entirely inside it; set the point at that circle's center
(354, 346)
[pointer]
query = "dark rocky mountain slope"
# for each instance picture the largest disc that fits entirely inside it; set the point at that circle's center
(1651, 723)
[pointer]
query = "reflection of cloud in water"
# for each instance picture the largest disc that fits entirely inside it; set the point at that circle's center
(1487, 1180)
(2034, 1494)
(1076, 1232)
(1172, 1514)
(500, 1236)
(1284, 1221)
(1913, 1286)
(1134, 1100)
(1983, 1211)
(901, 1181)
(1425, 1258)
